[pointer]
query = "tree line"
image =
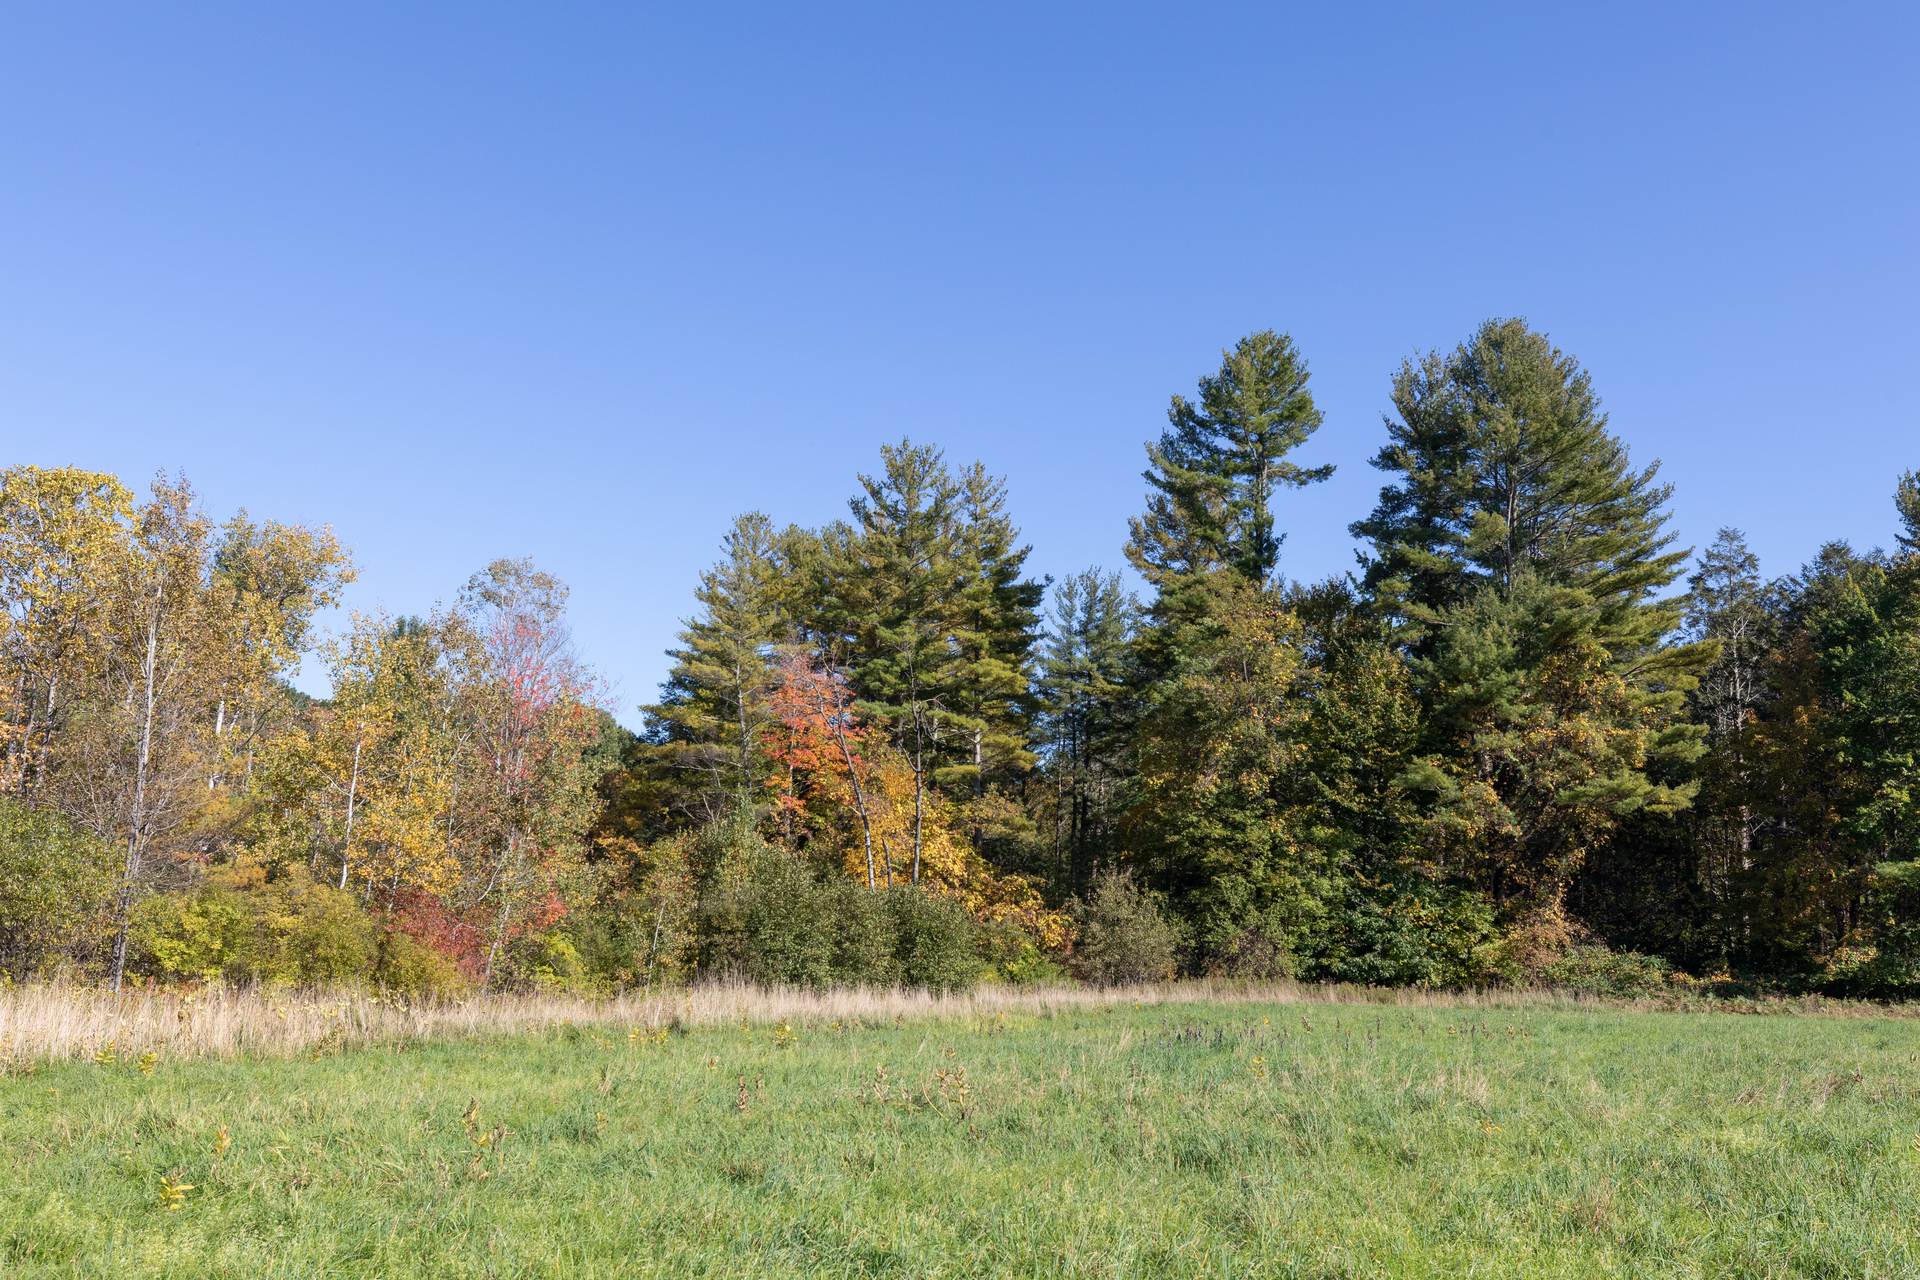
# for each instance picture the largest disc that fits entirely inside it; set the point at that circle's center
(1520, 743)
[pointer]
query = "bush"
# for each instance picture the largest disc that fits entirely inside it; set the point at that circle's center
(200, 935)
(55, 888)
(1405, 931)
(313, 933)
(290, 930)
(1595, 970)
(1125, 936)
(769, 919)
(403, 964)
(1011, 955)
(935, 940)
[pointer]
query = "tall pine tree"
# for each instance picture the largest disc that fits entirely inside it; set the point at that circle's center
(1215, 470)
(1523, 554)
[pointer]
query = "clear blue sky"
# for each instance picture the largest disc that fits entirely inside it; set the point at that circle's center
(580, 282)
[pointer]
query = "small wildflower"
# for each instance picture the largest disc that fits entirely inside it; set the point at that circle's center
(173, 1192)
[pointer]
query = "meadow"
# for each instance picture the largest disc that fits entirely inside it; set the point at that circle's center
(1187, 1131)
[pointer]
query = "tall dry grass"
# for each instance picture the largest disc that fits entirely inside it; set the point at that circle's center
(52, 1022)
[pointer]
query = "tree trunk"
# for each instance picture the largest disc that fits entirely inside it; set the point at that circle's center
(137, 817)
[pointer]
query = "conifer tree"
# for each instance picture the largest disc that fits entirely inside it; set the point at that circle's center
(1728, 603)
(1906, 500)
(996, 626)
(1505, 466)
(889, 602)
(1215, 471)
(1522, 554)
(716, 699)
(1084, 692)
(1730, 606)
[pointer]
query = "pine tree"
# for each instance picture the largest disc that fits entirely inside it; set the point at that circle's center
(1505, 465)
(1906, 500)
(1730, 606)
(1214, 473)
(888, 602)
(996, 625)
(1521, 553)
(1085, 694)
(715, 703)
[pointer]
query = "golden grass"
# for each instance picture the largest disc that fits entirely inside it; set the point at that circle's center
(55, 1021)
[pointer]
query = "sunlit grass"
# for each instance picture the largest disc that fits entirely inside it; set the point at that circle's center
(1095, 1139)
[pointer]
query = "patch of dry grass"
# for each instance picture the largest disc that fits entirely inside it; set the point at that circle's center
(55, 1021)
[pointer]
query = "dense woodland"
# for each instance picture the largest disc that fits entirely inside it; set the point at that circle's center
(1520, 743)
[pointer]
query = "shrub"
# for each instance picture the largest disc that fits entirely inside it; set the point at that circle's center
(550, 960)
(288, 930)
(1125, 936)
(1011, 955)
(1595, 970)
(314, 933)
(199, 935)
(767, 917)
(935, 940)
(402, 963)
(1407, 930)
(55, 887)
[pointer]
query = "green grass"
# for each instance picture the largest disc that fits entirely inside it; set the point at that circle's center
(1124, 1142)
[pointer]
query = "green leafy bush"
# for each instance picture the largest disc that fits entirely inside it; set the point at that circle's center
(56, 885)
(1598, 971)
(769, 918)
(289, 930)
(1125, 935)
(201, 935)
(934, 940)
(403, 964)
(1406, 930)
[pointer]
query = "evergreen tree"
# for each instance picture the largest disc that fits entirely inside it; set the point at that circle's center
(1521, 553)
(996, 627)
(922, 600)
(1086, 717)
(1731, 607)
(1505, 465)
(714, 707)
(1729, 604)
(1906, 500)
(1215, 471)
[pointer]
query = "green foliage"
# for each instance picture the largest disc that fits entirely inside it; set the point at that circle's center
(194, 935)
(289, 930)
(1598, 971)
(1869, 643)
(934, 945)
(1403, 930)
(1215, 471)
(1011, 956)
(714, 705)
(402, 964)
(1505, 464)
(766, 915)
(1126, 935)
(1906, 501)
(56, 884)
(1087, 713)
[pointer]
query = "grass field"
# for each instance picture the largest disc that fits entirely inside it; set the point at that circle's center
(1168, 1139)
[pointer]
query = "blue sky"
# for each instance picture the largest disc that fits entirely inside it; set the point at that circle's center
(581, 282)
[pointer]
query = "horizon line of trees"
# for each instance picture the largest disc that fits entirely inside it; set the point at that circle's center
(1516, 745)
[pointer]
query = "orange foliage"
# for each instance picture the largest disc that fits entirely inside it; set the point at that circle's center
(856, 792)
